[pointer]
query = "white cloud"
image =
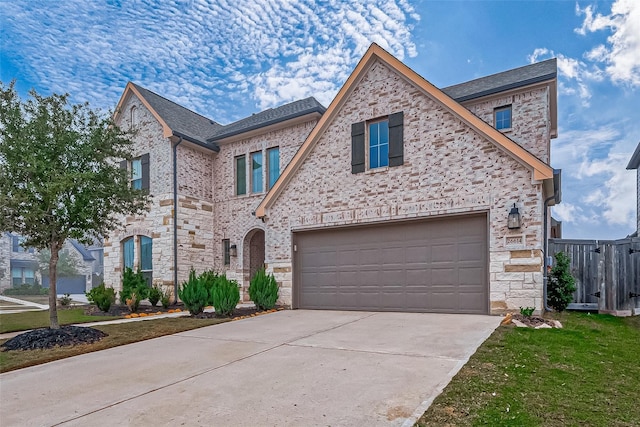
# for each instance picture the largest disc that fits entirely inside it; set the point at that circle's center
(621, 54)
(249, 53)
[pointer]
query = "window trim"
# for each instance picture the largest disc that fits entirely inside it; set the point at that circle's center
(237, 161)
(260, 175)
(501, 109)
(371, 123)
(270, 150)
(226, 252)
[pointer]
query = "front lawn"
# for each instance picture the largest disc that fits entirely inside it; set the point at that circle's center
(587, 374)
(40, 319)
(119, 334)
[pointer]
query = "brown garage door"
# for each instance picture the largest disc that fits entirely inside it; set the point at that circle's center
(420, 265)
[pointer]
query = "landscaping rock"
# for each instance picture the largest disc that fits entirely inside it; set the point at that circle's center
(544, 326)
(518, 323)
(48, 338)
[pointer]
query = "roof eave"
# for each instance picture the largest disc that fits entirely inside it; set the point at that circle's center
(634, 162)
(225, 136)
(209, 146)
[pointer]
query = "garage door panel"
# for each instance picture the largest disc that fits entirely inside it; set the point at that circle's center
(420, 265)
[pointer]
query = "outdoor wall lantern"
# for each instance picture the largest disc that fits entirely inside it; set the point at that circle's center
(513, 223)
(233, 250)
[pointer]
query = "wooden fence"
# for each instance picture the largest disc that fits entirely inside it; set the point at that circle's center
(607, 273)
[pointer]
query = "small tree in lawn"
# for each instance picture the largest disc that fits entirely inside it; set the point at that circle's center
(59, 177)
(561, 284)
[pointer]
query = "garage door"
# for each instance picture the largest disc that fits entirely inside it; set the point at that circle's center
(419, 266)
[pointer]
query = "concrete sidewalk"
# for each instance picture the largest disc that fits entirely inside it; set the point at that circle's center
(288, 368)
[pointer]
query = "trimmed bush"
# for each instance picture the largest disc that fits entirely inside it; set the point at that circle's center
(225, 295)
(263, 290)
(25, 289)
(561, 284)
(102, 296)
(209, 279)
(165, 298)
(154, 295)
(133, 283)
(193, 294)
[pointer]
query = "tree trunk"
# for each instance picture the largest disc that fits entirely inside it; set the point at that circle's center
(53, 300)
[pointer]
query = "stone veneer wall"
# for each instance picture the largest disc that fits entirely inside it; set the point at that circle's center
(233, 218)
(157, 223)
(448, 169)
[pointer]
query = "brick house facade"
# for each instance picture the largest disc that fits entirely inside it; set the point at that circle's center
(448, 170)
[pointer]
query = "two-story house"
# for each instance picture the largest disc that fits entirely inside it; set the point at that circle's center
(400, 196)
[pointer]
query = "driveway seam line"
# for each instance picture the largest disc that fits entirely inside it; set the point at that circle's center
(452, 359)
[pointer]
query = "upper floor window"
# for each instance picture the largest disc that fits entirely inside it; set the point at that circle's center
(136, 174)
(138, 171)
(379, 144)
(384, 144)
(17, 245)
(264, 167)
(134, 116)
(256, 172)
(241, 175)
(502, 117)
(273, 165)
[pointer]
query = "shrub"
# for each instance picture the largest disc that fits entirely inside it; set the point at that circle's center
(25, 289)
(133, 282)
(154, 295)
(561, 285)
(102, 296)
(225, 295)
(165, 298)
(65, 300)
(209, 279)
(527, 311)
(263, 290)
(193, 294)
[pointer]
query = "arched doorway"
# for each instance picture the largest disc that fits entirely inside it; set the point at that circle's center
(253, 258)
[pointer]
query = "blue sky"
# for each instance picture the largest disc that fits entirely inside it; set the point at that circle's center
(228, 59)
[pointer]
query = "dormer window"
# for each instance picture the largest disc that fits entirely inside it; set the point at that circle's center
(502, 117)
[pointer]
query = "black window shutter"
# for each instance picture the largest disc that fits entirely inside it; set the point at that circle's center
(123, 165)
(396, 143)
(145, 171)
(16, 244)
(357, 147)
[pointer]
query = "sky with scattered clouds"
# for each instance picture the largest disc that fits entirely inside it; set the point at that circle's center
(228, 59)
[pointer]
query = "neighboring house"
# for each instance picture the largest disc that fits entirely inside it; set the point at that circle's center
(634, 163)
(20, 265)
(398, 197)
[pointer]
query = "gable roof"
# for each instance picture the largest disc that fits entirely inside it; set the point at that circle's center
(269, 117)
(86, 255)
(506, 80)
(175, 119)
(541, 170)
(634, 163)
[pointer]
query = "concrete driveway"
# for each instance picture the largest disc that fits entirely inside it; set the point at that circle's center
(289, 368)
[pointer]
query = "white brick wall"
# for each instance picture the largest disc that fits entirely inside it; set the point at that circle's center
(448, 168)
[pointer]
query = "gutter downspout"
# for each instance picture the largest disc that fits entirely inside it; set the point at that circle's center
(175, 220)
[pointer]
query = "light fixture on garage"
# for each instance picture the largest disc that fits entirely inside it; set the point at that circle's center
(233, 250)
(513, 223)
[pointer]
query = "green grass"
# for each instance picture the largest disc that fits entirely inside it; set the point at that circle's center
(587, 374)
(119, 334)
(40, 319)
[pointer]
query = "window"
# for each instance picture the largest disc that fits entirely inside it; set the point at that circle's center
(256, 172)
(226, 250)
(137, 254)
(127, 252)
(20, 275)
(136, 174)
(138, 171)
(134, 116)
(502, 117)
(241, 175)
(17, 245)
(273, 165)
(384, 146)
(378, 144)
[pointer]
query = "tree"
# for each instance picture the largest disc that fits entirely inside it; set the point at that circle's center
(561, 283)
(67, 264)
(59, 175)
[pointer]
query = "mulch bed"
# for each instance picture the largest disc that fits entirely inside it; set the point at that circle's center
(532, 321)
(44, 338)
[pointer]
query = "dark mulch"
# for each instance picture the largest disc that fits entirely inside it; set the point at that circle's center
(123, 310)
(238, 312)
(48, 338)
